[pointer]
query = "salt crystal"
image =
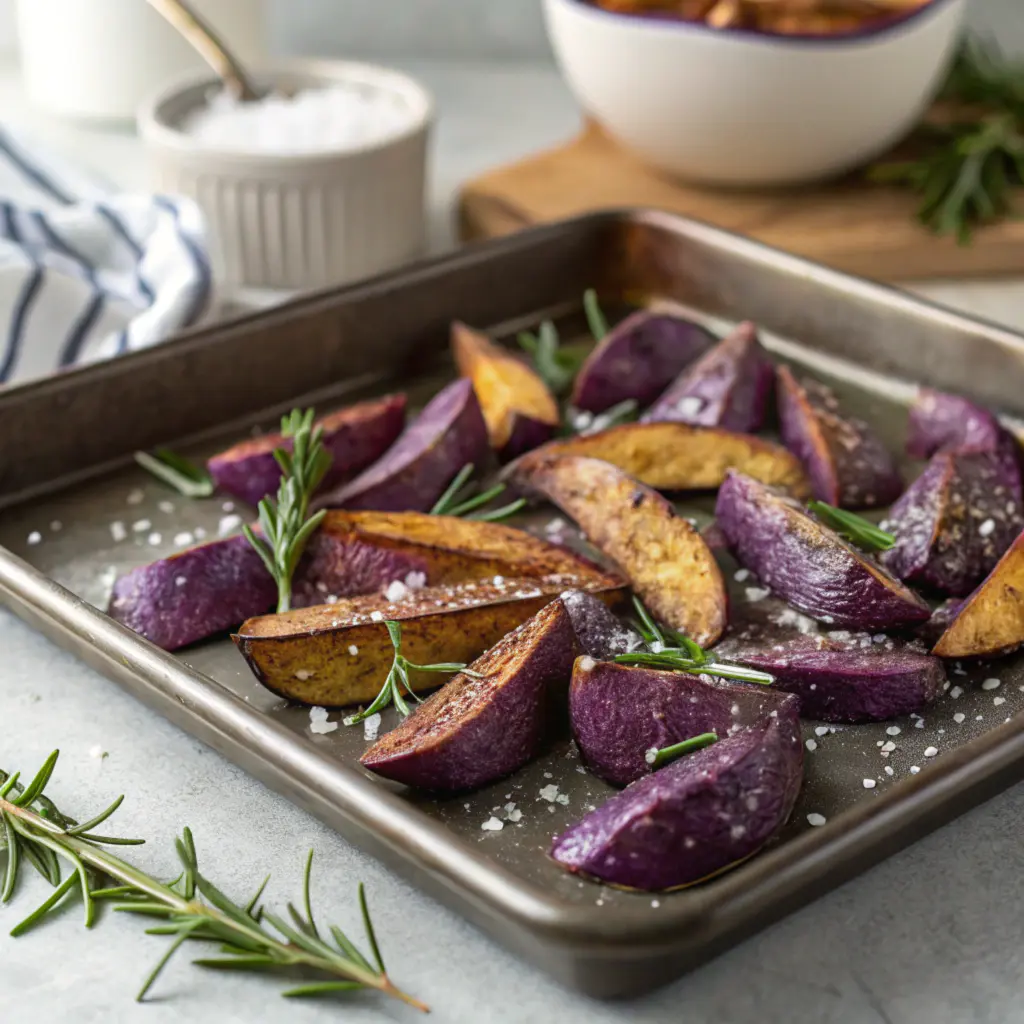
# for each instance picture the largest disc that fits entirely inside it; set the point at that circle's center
(371, 726)
(167, 507)
(655, 904)
(182, 539)
(893, 730)
(318, 721)
(959, 717)
(549, 793)
(741, 575)
(816, 819)
(135, 497)
(493, 824)
(376, 617)
(914, 769)
(154, 540)
(991, 684)
(986, 528)
(957, 692)
(869, 783)
(396, 590)
(755, 594)
(117, 531)
(141, 525)
(199, 533)
(228, 506)
(821, 730)
(228, 524)
(180, 581)
(930, 751)
(888, 747)
(353, 650)
(586, 664)
(888, 769)
(35, 537)
(998, 700)
(416, 580)
(919, 724)
(514, 815)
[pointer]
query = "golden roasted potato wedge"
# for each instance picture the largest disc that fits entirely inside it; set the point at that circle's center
(664, 558)
(339, 654)
(991, 621)
(519, 410)
(677, 456)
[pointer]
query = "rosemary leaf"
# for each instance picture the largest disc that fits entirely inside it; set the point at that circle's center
(854, 528)
(176, 471)
(461, 498)
(555, 365)
(596, 320)
(658, 758)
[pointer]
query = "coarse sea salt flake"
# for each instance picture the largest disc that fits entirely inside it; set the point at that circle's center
(228, 524)
(135, 497)
(741, 575)
(991, 684)
(182, 539)
(371, 726)
(353, 650)
(816, 819)
(118, 531)
(893, 730)
(180, 581)
(376, 617)
(821, 730)
(549, 793)
(998, 700)
(493, 824)
(930, 751)
(959, 717)
(986, 528)
(810, 745)
(141, 525)
(869, 783)
(957, 692)
(35, 537)
(755, 594)
(914, 769)
(888, 769)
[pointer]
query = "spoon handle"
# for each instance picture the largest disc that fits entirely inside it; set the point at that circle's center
(201, 36)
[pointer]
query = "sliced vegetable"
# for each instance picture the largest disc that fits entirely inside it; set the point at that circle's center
(339, 654)
(638, 359)
(846, 462)
(991, 621)
(354, 437)
(955, 521)
(413, 473)
(520, 411)
(694, 818)
(808, 565)
(482, 726)
(729, 387)
(619, 713)
(663, 556)
(943, 422)
(676, 456)
(600, 632)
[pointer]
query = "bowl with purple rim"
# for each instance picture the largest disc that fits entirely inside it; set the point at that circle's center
(740, 108)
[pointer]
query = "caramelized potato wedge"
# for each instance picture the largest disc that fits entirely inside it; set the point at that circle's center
(845, 460)
(991, 621)
(481, 727)
(676, 456)
(664, 558)
(340, 654)
(520, 411)
(809, 566)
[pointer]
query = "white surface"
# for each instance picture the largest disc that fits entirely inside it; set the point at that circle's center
(736, 109)
(931, 936)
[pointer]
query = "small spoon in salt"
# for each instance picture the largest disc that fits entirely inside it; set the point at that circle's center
(196, 31)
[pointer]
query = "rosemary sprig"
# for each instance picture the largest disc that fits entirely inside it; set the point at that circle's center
(659, 757)
(461, 497)
(556, 366)
(597, 322)
(184, 476)
(668, 649)
(191, 908)
(285, 524)
(854, 528)
(398, 679)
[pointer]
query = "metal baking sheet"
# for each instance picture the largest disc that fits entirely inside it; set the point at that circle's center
(68, 491)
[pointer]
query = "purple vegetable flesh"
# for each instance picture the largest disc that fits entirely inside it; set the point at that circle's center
(600, 632)
(943, 422)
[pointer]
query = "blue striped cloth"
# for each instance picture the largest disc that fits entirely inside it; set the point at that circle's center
(87, 273)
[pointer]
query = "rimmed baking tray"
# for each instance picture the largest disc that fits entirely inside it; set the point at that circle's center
(69, 491)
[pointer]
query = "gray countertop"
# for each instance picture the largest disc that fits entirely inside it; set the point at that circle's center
(932, 935)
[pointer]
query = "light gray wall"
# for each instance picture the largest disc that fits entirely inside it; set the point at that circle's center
(487, 29)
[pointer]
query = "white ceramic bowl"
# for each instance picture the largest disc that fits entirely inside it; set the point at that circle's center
(745, 108)
(303, 220)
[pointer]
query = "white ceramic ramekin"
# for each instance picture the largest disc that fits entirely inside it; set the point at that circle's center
(732, 107)
(298, 221)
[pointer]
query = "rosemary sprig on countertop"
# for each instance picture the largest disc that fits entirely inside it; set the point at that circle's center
(176, 471)
(659, 757)
(191, 908)
(966, 167)
(461, 498)
(854, 528)
(285, 524)
(398, 679)
(667, 649)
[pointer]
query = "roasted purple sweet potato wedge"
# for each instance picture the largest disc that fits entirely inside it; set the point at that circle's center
(955, 521)
(693, 818)
(847, 680)
(991, 621)
(480, 728)
(204, 590)
(637, 360)
(675, 457)
(414, 472)
(808, 565)
(520, 411)
(618, 713)
(664, 558)
(944, 422)
(354, 437)
(601, 634)
(340, 654)
(729, 387)
(846, 462)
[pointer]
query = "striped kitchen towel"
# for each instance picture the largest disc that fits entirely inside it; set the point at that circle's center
(87, 273)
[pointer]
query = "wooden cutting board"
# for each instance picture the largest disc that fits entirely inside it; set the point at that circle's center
(861, 228)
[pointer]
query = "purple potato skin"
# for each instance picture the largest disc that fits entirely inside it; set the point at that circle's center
(474, 731)
(942, 618)
(840, 683)
(637, 360)
(527, 434)
(355, 437)
(941, 422)
(693, 818)
(601, 634)
(955, 521)
(225, 583)
(729, 387)
(807, 565)
(846, 462)
(618, 713)
(449, 433)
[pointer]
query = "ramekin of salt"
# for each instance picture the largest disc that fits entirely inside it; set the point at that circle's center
(318, 182)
